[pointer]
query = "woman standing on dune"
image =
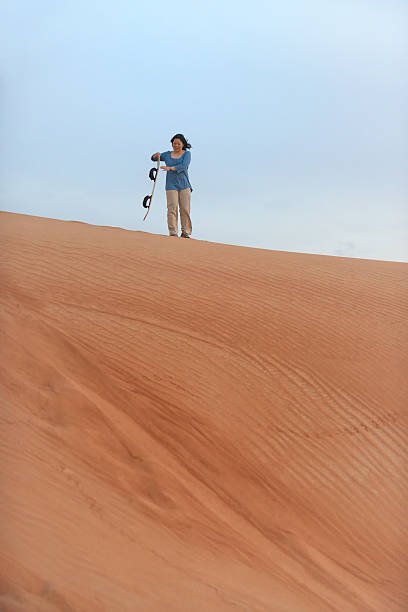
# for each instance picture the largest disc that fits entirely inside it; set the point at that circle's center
(178, 188)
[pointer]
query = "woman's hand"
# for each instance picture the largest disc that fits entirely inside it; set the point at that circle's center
(156, 156)
(166, 168)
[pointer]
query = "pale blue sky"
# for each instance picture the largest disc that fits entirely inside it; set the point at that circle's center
(296, 110)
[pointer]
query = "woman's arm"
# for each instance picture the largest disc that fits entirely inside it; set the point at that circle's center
(184, 164)
(156, 157)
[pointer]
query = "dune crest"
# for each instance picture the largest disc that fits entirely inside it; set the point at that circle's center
(193, 426)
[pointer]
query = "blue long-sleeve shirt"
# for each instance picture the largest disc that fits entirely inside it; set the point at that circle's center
(177, 179)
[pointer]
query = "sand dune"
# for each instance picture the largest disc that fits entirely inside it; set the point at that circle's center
(189, 426)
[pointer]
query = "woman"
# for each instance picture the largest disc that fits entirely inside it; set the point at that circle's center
(178, 188)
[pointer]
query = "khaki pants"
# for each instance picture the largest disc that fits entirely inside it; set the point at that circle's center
(175, 200)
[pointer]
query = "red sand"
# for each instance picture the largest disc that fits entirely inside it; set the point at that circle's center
(188, 426)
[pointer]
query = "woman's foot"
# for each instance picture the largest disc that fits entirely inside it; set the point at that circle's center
(184, 235)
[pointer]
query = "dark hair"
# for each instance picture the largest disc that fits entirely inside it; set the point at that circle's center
(186, 145)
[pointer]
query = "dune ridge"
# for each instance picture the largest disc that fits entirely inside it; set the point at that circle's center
(187, 425)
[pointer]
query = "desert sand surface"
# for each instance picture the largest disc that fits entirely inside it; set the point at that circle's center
(195, 427)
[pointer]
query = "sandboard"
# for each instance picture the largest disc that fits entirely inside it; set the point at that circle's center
(153, 175)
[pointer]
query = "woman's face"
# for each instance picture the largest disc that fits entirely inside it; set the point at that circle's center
(177, 145)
